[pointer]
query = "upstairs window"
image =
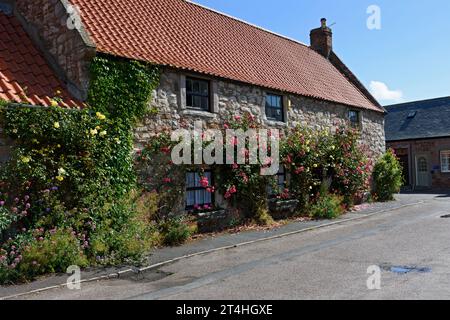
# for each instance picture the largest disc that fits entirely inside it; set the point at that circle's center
(196, 194)
(197, 94)
(354, 118)
(274, 108)
(445, 161)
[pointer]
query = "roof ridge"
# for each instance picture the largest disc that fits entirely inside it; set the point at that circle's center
(247, 23)
(417, 101)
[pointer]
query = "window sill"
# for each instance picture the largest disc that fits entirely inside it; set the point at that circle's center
(198, 113)
(275, 123)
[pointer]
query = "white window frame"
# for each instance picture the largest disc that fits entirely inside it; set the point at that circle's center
(445, 153)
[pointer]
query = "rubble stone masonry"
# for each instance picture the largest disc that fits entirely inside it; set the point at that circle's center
(236, 98)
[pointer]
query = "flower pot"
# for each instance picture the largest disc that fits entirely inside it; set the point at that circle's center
(282, 209)
(213, 221)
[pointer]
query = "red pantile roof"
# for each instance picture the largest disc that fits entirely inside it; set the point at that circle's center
(184, 35)
(25, 77)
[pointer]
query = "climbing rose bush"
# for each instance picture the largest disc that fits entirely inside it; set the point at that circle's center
(350, 168)
(315, 159)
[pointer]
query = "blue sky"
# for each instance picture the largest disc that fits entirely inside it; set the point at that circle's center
(407, 59)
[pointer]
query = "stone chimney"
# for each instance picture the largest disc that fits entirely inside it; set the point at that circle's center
(322, 39)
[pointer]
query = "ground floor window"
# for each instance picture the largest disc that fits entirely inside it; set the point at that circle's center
(445, 161)
(280, 183)
(196, 190)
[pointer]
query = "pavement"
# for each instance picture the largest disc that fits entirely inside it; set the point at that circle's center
(329, 262)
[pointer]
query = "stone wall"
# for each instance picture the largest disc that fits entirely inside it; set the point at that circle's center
(236, 98)
(67, 49)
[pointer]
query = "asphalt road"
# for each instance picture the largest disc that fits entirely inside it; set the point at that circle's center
(328, 263)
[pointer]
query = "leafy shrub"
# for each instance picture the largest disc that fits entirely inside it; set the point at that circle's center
(174, 231)
(388, 176)
(53, 251)
(328, 206)
(40, 252)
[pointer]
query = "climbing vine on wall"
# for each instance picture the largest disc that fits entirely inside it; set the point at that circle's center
(122, 88)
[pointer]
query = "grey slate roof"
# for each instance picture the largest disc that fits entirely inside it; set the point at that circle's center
(432, 120)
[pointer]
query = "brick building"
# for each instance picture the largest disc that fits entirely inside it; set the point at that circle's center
(212, 64)
(419, 132)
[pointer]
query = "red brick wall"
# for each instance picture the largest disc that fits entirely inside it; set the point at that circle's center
(431, 148)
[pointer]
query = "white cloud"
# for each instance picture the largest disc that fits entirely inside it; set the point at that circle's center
(382, 93)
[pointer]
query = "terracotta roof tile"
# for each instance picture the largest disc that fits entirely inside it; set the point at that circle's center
(24, 75)
(184, 35)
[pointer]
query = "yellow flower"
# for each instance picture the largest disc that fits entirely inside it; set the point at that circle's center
(117, 140)
(315, 165)
(103, 133)
(58, 146)
(54, 103)
(94, 132)
(100, 116)
(56, 125)
(25, 159)
(97, 127)
(59, 178)
(333, 147)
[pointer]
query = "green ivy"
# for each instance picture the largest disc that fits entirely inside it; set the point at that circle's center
(122, 88)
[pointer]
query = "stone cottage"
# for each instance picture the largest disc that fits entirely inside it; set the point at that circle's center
(212, 64)
(419, 132)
